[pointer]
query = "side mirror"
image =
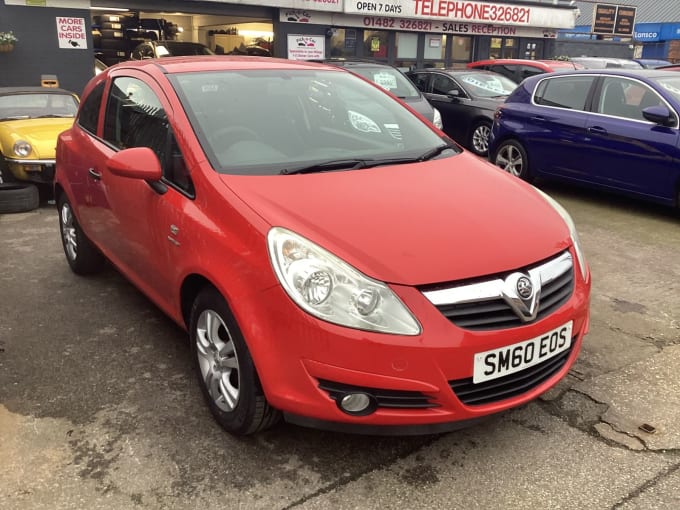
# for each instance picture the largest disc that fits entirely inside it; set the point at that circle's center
(136, 163)
(659, 115)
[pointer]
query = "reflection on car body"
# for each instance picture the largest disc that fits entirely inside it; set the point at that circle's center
(289, 216)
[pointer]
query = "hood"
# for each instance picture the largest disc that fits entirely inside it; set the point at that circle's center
(415, 224)
(40, 133)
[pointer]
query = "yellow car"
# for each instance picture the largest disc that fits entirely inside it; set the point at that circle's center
(31, 118)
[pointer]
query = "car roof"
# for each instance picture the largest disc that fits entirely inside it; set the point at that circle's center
(194, 63)
(353, 62)
(628, 73)
(5, 91)
(543, 64)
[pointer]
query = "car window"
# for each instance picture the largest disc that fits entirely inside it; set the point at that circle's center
(622, 97)
(421, 80)
(390, 79)
(265, 122)
(444, 85)
(670, 85)
(564, 92)
(136, 118)
(526, 71)
(482, 84)
(89, 111)
(35, 105)
(507, 70)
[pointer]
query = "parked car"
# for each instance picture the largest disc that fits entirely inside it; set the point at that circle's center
(606, 63)
(292, 222)
(517, 68)
(30, 120)
(652, 63)
(163, 48)
(466, 100)
(614, 129)
(394, 81)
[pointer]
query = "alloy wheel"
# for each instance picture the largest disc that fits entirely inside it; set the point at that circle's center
(68, 231)
(480, 139)
(218, 360)
(510, 159)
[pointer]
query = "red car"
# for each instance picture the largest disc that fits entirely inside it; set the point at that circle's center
(335, 258)
(517, 69)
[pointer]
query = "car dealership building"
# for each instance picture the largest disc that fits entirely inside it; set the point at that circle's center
(58, 39)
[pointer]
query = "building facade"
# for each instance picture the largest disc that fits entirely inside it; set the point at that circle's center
(60, 38)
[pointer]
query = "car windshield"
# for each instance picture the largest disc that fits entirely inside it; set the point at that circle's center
(37, 105)
(670, 85)
(487, 84)
(390, 79)
(262, 122)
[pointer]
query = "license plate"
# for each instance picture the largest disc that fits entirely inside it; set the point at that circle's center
(513, 358)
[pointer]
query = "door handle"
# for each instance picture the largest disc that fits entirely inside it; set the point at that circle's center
(538, 118)
(94, 174)
(597, 130)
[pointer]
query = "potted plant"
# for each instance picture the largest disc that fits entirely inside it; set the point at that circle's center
(7, 40)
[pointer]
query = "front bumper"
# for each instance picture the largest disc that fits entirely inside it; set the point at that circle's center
(306, 364)
(40, 171)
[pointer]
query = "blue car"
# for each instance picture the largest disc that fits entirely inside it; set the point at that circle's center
(614, 129)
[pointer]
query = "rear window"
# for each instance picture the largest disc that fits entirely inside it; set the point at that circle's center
(390, 79)
(569, 92)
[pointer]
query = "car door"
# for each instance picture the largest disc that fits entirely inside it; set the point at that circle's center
(451, 101)
(554, 126)
(144, 219)
(627, 151)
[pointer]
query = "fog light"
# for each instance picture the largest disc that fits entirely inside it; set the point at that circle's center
(357, 403)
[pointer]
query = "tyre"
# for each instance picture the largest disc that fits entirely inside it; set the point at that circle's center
(479, 138)
(226, 372)
(18, 197)
(512, 157)
(81, 255)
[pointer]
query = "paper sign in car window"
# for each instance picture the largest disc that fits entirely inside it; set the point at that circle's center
(162, 51)
(385, 80)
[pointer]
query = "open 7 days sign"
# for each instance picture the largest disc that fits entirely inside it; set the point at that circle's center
(71, 33)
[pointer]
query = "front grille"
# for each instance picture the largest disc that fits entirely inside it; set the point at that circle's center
(482, 305)
(511, 385)
(384, 398)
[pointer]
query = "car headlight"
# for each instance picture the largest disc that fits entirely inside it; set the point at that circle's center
(362, 123)
(330, 289)
(572, 231)
(22, 148)
(437, 120)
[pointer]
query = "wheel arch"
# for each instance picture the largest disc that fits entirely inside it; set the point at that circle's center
(191, 287)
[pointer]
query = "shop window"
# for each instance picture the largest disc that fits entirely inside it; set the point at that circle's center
(435, 47)
(503, 47)
(462, 49)
(343, 42)
(375, 43)
(407, 51)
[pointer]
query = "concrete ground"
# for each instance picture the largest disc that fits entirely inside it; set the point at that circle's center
(99, 408)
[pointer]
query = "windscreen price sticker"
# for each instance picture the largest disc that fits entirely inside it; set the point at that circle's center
(71, 33)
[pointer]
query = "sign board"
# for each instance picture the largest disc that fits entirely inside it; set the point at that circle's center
(71, 33)
(306, 47)
(610, 19)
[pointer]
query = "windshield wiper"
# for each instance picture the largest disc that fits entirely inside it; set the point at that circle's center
(327, 166)
(433, 153)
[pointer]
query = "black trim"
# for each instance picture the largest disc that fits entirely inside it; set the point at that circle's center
(384, 430)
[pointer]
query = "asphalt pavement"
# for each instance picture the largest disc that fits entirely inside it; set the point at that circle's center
(99, 408)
